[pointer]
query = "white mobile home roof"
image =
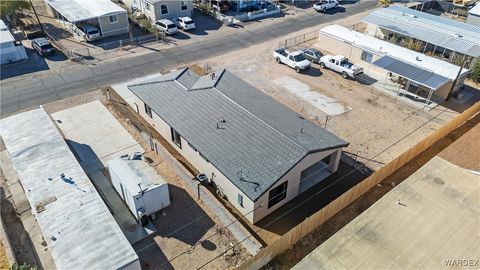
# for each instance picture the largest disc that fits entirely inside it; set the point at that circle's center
(5, 35)
(436, 30)
(134, 172)
(77, 226)
(382, 47)
(81, 10)
(475, 10)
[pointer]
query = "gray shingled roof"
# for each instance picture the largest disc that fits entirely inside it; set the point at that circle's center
(259, 141)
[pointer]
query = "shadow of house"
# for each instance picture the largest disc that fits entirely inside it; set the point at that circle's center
(20, 240)
(85, 155)
(309, 202)
(184, 219)
(151, 256)
(34, 63)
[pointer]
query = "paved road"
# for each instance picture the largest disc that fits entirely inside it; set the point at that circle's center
(21, 94)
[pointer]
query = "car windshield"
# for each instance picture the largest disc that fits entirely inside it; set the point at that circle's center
(47, 46)
(170, 25)
(299, 57)
(92, 32)
(189, 22)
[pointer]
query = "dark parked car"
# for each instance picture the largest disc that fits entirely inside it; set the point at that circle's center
(43, 46)
(312, 54)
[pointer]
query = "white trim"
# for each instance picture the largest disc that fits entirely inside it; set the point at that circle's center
(115, 30)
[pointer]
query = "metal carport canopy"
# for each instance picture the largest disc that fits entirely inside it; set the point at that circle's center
(414, 73)
(82, 10)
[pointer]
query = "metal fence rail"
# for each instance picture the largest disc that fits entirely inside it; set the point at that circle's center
(293, 41)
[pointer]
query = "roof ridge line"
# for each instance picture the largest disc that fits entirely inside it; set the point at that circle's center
(160, 81)
(243, 108)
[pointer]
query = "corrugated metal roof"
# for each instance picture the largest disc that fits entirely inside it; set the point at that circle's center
(416, 74)
(260, 139)
(81, 10)
(77, 226)
(446, 33)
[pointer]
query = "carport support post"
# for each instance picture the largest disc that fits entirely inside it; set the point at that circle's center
(428, 98)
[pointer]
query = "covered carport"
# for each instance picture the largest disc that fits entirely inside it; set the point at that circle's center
(110, 18)
(413, 79)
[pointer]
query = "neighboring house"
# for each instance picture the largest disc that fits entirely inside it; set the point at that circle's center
(110, 18)
(382, 57)
(259, 153)
(449, 39)
(165, 9)
(10, 50)
(474, 15)
(76, 224)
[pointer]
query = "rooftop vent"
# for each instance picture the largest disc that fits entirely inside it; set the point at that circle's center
(458, 35)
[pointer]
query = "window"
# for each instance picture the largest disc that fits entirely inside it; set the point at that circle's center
(183, 5)
(176, 138)
(148, 110)
(277, 194)
(164, 9)
(367, 56)
(113, 18)
(240, 199)
(147, 5)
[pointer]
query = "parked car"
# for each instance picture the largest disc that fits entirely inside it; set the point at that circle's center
(295, 60)
(325, 5)
(185, 23)
(340, 64)
(43, 46)
(89, 32)
(312, 54)
(166, 26)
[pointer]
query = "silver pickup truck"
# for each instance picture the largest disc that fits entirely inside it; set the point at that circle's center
(295, 60)
(340, 64)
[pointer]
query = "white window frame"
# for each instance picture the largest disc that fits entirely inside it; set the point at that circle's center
(161, 10)
(146, 6)
(113, 16)
(183, 4)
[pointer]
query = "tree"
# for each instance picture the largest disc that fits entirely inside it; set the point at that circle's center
(9, 8)
(475, 70)
(384, 3)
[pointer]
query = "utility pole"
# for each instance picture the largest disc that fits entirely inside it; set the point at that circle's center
(36, 15)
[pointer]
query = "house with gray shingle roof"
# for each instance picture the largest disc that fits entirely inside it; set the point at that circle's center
(258, 152)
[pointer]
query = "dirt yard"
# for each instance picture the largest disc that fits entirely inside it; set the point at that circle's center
(457, 139)
(372, 122)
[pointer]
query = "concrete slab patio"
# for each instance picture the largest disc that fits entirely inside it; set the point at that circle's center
(97, 137)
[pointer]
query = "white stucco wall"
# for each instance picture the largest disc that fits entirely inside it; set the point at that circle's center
(228, 188)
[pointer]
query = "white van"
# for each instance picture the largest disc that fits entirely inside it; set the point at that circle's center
(166, 26)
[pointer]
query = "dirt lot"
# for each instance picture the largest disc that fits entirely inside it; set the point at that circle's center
(372, 123)
(457, 139)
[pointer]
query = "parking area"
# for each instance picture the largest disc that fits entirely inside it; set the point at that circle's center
(35, 63)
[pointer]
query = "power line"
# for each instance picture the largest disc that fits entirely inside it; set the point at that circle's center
(317, 193)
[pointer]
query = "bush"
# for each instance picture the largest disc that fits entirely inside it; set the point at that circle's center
(475, 70)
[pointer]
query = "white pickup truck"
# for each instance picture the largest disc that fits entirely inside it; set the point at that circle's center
(325, 5)
(295, 60)
(340, 64)
(185, 23)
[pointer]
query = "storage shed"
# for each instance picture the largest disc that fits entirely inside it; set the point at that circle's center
(144, 191)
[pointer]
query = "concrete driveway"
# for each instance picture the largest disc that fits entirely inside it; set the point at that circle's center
(34, 63)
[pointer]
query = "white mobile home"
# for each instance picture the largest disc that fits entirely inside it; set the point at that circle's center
(382, 58)
(165, 9)
(259, 153)
(77, 226)
(110, 18)
(10, 50)
(143, 190)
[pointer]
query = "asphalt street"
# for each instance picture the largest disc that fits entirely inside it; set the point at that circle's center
(20, 94)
